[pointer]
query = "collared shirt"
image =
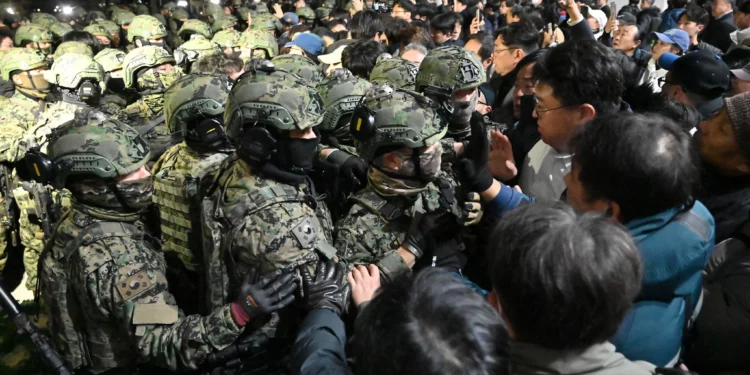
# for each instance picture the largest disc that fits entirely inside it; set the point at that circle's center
(544, 169)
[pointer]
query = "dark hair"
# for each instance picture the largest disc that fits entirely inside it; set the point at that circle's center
(430, 323)
(444, 23)
(417, 34)
(322, 31)
(646, 164)
(426, 10)
(521, 34)
(217, 64)
(340, 14)
(531, 58)
(744, 7)
(335, 22)
(488, 44)
(582, 71)
(5, 33)
(394, 28)
(83, 37)
(564, 281)
(365, 24)
(678, 3)
(696, 13)
(298, 29)
(516, 10)
(360, 57)
(469, 3)
(406, 5)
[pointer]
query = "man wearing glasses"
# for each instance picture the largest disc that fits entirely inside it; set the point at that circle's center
(698, 79)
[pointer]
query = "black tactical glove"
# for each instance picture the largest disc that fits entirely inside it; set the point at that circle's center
(422, 234)
(473, 167)
(352, 171)
(273, 292)
(324, 291)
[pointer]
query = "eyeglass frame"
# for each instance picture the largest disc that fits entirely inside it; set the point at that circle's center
(661, 81)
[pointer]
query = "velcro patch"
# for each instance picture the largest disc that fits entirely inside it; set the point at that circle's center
(306, 232)
(134, 285)
(154, 313)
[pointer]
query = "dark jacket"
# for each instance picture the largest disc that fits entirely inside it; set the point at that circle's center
(319, 346)
(728, 200)
(703, 46)
(721, 335)
(669, 19)
(718, 30)
(649, 19)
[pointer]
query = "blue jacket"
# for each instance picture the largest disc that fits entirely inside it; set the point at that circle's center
(675, 247)
(669, 19)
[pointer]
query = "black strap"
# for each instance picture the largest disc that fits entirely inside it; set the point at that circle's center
(446, 193)
(151, 125)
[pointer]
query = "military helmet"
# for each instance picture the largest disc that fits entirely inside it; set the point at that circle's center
(72, 47)
(112, 28)
(97, 30)
(191, 27)
(123, 17)
(222, 23)
(395, 72)
(306, 12)
(60, 29)
(105, 148)
(323, 11)
(259, 39)
(141, 9)
(43, 19)
(277, 99)
(65, 16)
(264, 21)
(70, 69)
(95, 15)
(447, 69)
(301, 66)
(195, 48)
(215, 10)
(34, 33)
(169, 6)
(23, 59)
(388, 117)
(341, 94)
(227, 38)
(110, 59)
(78, 12)
(143, 57)
(195, 97)
(146, 27)
(180, 14)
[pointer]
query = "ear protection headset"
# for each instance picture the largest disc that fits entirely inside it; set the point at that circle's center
(88, 90)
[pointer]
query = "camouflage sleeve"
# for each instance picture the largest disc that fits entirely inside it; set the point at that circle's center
(282, 236)
(12, 146)
(131, 290)
(362, 239)
(449, 152)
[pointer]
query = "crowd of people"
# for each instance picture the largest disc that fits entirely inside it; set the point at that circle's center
(360, 187)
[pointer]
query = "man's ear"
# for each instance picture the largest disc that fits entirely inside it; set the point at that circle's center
(17, 79)
(614, 211)
(700, 28)
(487, 63)
(586, 113)
(518, 54)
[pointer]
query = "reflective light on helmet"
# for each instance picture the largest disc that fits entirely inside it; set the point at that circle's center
(182, 3)
(214, 1)
(66, 9)
(10, 10)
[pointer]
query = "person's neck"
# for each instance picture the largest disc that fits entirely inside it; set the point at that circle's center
(630, 53)
(694, 40)
(724, 14)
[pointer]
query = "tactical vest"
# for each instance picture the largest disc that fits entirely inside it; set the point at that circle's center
(220, 223)
(81, 343)
(438, 195)
(176, 193)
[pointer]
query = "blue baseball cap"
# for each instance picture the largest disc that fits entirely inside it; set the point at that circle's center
(310, 43)
(675, 36)
(290, 18)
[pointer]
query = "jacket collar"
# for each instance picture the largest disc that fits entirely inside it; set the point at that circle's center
(535, 359)
(652, 223)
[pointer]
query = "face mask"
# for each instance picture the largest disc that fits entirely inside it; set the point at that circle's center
(116, 85)
(136, 194)
(34, 85)
(295, 155)
(154, 101)
(462, 110)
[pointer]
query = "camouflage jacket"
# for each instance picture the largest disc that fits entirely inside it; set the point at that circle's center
(17, 115)
(111, 103)
(375, 226)
(138, 115)
(104, 283)
(263, 224)
(57, 114)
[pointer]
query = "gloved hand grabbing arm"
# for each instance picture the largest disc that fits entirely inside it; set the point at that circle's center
(421, 235)
(473, 167)
(273, 292)
(324, 290)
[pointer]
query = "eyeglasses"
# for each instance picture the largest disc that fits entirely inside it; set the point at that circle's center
(663, 80)
(538, 111)
(501, 50)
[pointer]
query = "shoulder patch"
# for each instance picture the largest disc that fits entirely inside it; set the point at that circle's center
(134, 285)
(305, 232)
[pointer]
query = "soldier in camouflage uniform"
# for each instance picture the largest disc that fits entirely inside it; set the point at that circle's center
(113, 29)
(229, 42)
(257, 44)
(341, 93)
(262, 211)
(191, 51)
(72, 47)
(405, 214)
(43, 19)
(194, 107)
(23, 67)
(178, 17)
(301, 66)
(146, 30)
(193, 27)
(100, 33)
(35, 37)
(150, 71)
(104, 278)
(114, 99)
(75, 79)
(223, 23)
(395, 72)
(123, 18)
(59, 30)
(306, 15)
